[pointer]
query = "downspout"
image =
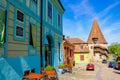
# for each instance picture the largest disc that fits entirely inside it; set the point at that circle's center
(41, 12)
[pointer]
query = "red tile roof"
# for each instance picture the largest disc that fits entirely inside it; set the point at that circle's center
(75, 40)
(96, 33)
(78, 49)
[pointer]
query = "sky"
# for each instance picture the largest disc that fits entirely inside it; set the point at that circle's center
(79, 16)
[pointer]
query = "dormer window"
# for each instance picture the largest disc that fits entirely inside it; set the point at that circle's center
(95, 40)
(81, 47)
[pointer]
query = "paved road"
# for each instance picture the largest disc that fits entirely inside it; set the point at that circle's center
(79, 74)
(109, 73)
(102, 72)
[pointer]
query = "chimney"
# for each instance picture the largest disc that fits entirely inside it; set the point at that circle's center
(68, 36)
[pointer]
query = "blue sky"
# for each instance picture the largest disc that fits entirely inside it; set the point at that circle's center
(80, 14)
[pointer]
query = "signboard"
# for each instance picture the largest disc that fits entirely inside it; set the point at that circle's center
(2, 26)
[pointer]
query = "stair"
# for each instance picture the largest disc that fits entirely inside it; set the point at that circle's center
(7, 72)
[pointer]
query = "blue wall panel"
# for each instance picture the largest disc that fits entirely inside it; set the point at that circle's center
(21, 64)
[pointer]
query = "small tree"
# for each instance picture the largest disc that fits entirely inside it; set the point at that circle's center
(114, 49)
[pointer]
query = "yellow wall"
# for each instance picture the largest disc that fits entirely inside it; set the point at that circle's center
(77, 57)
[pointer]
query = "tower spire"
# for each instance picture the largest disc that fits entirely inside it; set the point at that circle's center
(96, 33)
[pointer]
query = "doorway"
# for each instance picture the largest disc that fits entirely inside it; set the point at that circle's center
(48, 51)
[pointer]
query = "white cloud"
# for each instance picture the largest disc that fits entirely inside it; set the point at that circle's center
(105, 12)
(111, 32)
(72, 28)
(82, 9)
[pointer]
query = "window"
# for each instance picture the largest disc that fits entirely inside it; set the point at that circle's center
(19, 25)
(91, 47)
(81, 47)
(30, 40)
(35, 1)
(49, 10)
(58, 20)
(81, 57)
(19, 31)
(70, 53)
(59, 51)
(33, 37)
(27, 3)
(64, 47)
(95, 40)
(20, 16)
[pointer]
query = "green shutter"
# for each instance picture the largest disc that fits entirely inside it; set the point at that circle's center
(34, 36)
(2, 26)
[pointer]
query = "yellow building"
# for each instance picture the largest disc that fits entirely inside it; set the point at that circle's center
(81, 51)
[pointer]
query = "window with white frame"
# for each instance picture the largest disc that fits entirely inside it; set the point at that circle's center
(20, 16)
(19, 31)
(81, 47)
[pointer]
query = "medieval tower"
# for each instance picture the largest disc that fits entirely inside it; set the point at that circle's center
(97, 43)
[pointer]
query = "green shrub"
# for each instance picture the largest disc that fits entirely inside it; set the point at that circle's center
(107, 58)
(60, 66)
(49, 67)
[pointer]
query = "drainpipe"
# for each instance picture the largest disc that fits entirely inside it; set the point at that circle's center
(41, 12)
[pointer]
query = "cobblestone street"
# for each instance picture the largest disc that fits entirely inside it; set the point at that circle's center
(102, 72)
(109, 73)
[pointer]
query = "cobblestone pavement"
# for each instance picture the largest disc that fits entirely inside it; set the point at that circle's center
(102, 72)
(79, 74)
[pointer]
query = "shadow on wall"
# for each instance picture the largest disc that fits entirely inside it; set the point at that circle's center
(7, 72)
(21, 64)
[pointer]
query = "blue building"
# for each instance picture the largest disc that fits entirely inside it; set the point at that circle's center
(30, 36)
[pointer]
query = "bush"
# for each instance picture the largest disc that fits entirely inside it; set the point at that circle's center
(60, 66)
(49, 67)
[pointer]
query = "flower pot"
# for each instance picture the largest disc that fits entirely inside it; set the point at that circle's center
(60, 71)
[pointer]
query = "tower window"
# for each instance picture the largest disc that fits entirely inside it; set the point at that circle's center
(95, 40)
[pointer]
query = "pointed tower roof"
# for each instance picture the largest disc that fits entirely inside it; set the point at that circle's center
(96, 34)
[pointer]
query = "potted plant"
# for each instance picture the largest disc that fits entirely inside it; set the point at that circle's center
(60, 66)
(49, 68)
